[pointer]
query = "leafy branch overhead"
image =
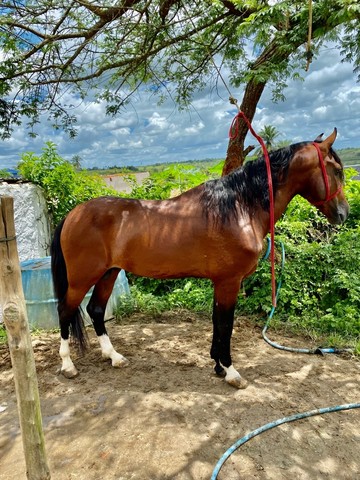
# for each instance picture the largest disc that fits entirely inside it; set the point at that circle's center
(52, 51)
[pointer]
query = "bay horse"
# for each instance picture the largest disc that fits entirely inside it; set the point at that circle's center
(215, 230)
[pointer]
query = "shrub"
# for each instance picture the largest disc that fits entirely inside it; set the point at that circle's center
(321, 285)
(191, 293)
(63, 186)
(171, 181)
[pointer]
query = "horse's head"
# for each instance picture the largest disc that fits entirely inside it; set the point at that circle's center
(324, 187)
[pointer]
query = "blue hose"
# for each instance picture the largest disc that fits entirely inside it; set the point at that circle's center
(318, 350)
(276, 423)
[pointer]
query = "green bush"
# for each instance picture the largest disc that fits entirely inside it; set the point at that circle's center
(352, 190)
(3, 336)
(4, 173)
(63, 186)
(171, 181)
(161, 295)
(321, 284)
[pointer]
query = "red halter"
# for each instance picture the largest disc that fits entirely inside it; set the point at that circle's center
(329, 196)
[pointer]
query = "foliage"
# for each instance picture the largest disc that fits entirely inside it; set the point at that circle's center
(269, 133)
(5, 174)
(155, 296)
(172, 180)
(320, 283)
(213, 165)
(353, 197)
(111, 50)
(63, 186)
(3, 336)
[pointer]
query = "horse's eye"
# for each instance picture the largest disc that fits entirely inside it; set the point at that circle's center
(339, 173)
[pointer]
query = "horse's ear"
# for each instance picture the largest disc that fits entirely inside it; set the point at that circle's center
(318, 139)
(327, 143)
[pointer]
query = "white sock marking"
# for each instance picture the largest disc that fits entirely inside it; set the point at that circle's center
(108, 351)
(231, 373)
(67, 364)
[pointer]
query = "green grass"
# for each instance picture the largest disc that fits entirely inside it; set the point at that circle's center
(3, 336)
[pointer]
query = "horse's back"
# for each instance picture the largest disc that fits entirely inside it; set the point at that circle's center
(140, 236)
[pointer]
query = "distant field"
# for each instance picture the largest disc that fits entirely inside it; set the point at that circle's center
(156, 167)
(350, 156)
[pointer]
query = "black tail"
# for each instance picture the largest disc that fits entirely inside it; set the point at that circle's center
(60, 282)
(58, 266)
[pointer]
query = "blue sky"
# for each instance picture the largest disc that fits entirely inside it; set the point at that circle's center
(148, 133)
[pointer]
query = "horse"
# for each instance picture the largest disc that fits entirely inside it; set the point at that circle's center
(215, 230)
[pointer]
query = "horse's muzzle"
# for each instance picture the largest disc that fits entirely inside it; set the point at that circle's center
(340, 214)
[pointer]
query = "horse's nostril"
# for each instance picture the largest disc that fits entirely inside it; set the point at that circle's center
(343, 213)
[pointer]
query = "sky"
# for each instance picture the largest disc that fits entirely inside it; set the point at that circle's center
(147, 133)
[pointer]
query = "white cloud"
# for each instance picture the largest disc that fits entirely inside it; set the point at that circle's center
(195, 129)
(160, 121)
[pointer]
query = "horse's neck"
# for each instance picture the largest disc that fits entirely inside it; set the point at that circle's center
(282, 199)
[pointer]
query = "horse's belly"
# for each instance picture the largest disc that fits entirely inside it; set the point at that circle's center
(158, 265)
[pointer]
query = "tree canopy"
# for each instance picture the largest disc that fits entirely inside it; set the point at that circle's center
(109, 49)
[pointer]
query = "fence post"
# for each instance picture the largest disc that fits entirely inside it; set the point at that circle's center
(21, 352)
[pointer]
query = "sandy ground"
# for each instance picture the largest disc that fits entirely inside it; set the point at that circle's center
(119, 182)
(167, 416)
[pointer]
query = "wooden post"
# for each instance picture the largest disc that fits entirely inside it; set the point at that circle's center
(21, 352)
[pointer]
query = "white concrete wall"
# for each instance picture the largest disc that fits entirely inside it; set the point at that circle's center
(31, 219)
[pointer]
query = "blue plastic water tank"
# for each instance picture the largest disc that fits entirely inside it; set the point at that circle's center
(39, 294)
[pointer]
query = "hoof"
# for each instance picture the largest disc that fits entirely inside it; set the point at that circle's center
(70, 373)
(120, 362)
(238, 382)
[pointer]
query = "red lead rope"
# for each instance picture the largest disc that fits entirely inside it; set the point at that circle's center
(235, 128)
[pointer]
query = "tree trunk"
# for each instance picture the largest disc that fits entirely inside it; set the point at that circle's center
(236, 153)
(22, 357)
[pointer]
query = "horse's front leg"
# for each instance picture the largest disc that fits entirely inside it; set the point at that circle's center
(97, 314)
(225, 296)
(108, 351)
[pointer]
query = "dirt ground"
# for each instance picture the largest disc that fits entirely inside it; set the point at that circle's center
(166, 416)
(119, 182)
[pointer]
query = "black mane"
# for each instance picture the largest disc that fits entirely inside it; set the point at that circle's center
(247, 186)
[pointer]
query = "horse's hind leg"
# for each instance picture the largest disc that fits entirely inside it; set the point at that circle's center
(96, 310)
(70, 317)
